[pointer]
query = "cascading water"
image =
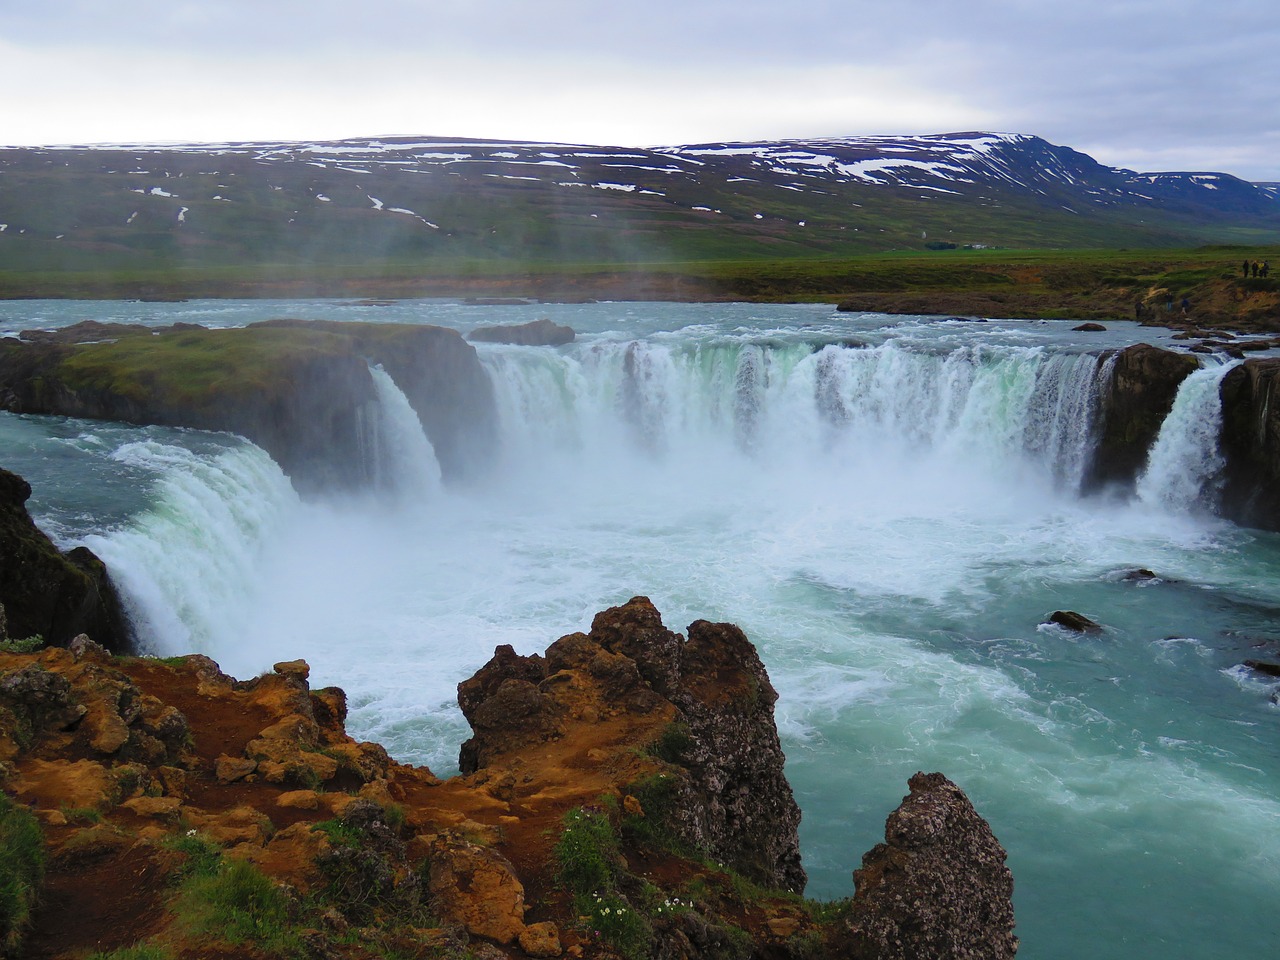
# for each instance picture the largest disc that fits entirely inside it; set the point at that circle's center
(183, 565)
(403, 459)
(1008, 407)
(1184, 461)
(889, 522)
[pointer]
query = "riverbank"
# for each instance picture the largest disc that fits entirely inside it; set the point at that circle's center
(1085, 285)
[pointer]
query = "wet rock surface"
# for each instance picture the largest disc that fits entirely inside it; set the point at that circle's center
(1250, 444)
(45, 592)
(1139, 395)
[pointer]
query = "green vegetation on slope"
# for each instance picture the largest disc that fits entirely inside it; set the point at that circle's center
(21, 872)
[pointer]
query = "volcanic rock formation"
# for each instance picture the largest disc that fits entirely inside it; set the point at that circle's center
(47, 593)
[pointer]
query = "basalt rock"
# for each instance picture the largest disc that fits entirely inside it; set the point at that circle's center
(1144, 382)
(1250, 444)
(301, 390)
(1075, 622)
(937, 888)
(46, 592)
(536, 333)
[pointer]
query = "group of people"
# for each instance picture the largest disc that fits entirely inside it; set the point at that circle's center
(1255, 268)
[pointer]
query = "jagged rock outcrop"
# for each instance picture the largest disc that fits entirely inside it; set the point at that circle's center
(1250, 444)
(301, 390)
(730, 798)
(535, 333)
(46, 592)
(1139, 395)
(937, 888)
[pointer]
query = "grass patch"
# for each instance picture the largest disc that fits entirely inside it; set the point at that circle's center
(673, 743)
(22, 860)
(201, 856)
(238, 904)
(615, 921)
(26, 645)
(587, 857)
(82, 814)
(139, 951)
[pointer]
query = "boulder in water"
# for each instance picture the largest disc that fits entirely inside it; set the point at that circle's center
(1090, 327)
(1077, 622)
(937, 888)
(536, 333)
(1138, 575)
(1264, 666)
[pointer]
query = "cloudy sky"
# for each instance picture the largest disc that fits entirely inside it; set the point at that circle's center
(1144, 84)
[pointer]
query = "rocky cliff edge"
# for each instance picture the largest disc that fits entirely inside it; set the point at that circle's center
(623, 797)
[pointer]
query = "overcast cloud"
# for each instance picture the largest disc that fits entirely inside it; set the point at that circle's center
(1168, 85)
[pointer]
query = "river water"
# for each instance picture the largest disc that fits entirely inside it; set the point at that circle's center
(888, 507)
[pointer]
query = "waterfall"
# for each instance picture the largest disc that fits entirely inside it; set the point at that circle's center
(183, 565)
(1062, 419)
(1184, 463)
(402, 458)
(759, 400)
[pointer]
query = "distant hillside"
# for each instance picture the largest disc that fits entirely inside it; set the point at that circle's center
(434, 204)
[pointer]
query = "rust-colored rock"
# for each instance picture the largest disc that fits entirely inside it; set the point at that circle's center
(477, 888)
(541, 940)
(230, 769)
(661, 735)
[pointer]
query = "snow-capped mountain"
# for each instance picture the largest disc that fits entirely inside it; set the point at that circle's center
(410, 197)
